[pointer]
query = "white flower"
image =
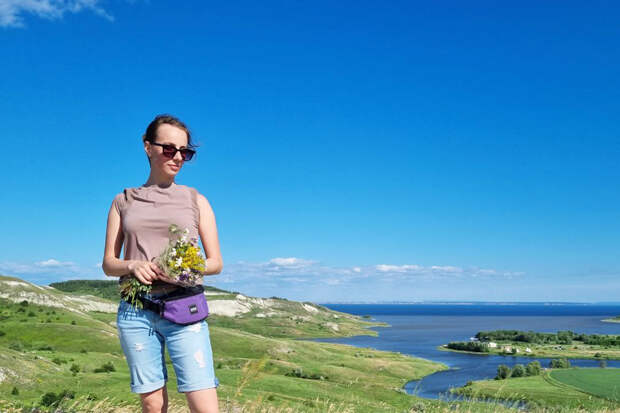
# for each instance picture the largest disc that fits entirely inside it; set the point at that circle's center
(186, 231)
(179, 261)
(174, 251)
(184, 238)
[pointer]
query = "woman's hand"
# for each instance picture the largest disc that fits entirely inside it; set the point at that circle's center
(146, 271)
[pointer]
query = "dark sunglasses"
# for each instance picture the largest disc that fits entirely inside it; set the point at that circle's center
(170, 151)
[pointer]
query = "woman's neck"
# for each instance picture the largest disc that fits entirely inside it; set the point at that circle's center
(160, 181)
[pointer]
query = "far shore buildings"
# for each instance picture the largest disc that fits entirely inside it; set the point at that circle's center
(507, 348)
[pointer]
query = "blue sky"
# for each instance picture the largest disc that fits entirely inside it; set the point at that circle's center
(351, 152)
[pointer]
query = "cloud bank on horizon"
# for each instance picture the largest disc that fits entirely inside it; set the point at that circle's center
(275, 276)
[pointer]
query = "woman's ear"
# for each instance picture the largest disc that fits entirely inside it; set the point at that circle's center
(148, 148)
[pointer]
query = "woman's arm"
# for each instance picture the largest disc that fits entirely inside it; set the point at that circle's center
(112, 265)
(208, 234)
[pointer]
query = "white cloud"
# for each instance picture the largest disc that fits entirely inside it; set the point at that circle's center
(446, 269)
(398, 268)
(291, 262)
(12, 11)
(48, 267)
(294, 270)
(54, 263)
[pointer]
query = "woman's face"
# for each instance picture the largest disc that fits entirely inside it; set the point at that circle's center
(171, 135)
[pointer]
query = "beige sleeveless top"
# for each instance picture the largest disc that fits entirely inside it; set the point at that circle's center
(147, 211)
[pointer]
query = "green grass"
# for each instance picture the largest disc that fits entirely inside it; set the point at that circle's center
(599, 382)
(539, 391)
(40, 344)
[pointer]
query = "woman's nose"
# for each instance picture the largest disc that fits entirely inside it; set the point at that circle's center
(178, 156)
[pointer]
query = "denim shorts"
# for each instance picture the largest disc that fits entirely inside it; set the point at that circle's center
(143, 335)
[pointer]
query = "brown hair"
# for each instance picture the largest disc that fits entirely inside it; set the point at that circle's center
(151, 130)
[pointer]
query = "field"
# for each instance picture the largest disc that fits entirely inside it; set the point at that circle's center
(545, 391)
(599, 382)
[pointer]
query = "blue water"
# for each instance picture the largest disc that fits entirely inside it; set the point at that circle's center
(417, 330)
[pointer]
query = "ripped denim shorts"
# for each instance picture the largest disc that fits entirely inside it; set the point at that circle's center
(144, 334)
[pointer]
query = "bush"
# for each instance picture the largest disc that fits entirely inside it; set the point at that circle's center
(49, 398)
(59, 361)
(17, 346)
(517, 371)
(46, 347)
(73, 322)
(75, 369)
(15, 391)
(31, 314)
(503, 372)
(52, 398)
(533, 368)
(106, 367)
(562, 363)
(24, 303)
(299, 372)
(2, 333)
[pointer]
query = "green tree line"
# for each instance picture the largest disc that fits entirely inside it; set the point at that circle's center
(561, 337)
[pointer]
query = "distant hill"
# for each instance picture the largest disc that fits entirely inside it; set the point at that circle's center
(107, 289)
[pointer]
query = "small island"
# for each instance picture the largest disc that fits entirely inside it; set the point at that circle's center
(616, 319)
(533, 344)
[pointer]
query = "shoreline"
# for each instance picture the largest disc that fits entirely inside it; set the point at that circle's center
(531, 355)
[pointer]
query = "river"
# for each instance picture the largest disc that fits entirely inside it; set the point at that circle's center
(418, 329)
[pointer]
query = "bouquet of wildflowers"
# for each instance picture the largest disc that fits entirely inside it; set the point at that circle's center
(181, 261)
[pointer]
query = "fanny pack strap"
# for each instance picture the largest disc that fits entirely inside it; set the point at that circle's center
(147, 304)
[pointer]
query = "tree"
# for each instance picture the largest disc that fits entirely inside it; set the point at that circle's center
(562, 363)
(503, 372)
(518, 371)
(533, 368)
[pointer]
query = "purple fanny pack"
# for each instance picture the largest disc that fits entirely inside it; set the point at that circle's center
(183, 306)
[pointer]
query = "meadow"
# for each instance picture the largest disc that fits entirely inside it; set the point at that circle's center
(57, 354)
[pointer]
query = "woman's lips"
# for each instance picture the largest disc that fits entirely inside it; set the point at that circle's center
(175, 167)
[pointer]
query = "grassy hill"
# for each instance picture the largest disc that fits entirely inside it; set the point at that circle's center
(51, 342)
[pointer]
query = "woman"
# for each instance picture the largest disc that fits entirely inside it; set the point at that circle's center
(139, 218)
